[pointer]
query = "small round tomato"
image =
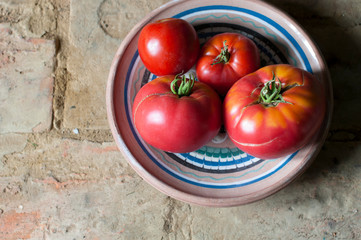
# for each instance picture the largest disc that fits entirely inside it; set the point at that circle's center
(177, 114)
(168, 46)
(225, 58)
(274, 111)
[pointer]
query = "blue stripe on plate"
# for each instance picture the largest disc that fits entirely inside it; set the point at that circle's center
(258, 15)
(218, 163)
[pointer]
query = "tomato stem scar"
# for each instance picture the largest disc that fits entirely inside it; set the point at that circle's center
(271, 93)
(224, 56)
(185, 86)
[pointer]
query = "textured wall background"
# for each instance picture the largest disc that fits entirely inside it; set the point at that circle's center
(62, 177)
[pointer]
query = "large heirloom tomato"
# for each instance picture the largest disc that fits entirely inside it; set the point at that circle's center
(274, 111)
(225, 58)
(168, 46)
(177, 114)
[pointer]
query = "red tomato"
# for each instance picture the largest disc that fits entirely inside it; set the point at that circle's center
(225, 58)
(271, 119)
(168, 46)
(177, 122)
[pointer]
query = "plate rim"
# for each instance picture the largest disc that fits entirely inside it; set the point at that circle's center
(184, 196)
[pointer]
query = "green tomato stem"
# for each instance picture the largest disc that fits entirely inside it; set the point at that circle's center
(224, 56)
(184, 88)
(271, 93)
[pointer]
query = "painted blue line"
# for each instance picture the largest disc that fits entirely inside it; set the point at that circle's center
(219, 163)
(126, 104)
(211, 177)
(254, 25)
(136, 81)
(258, 15)
(232, 18)
(196, 183)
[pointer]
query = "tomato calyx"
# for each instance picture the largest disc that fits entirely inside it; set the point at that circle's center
(185, 86)
(271, 93)
(224, 56)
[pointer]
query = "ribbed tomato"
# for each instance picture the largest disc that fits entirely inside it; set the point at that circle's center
(225, 58)
(177, 114)
(274, 111)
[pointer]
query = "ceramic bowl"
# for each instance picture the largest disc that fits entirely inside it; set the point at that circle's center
(218, 174)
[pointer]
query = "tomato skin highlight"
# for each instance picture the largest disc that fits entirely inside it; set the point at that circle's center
(243, 59)
(176, 124)
(168, 46)
(274, 131)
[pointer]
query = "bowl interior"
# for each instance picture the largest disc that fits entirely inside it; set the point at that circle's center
(218, 174)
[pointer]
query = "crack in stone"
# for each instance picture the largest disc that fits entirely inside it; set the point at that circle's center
(168, 218)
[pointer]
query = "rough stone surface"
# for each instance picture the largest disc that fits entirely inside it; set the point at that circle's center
(15, 11)
(93, 49)
(89, 66)
(98, 209)
(66, 159)
(117, 18)
(26, 68)
(9, 144)
(62, 177)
